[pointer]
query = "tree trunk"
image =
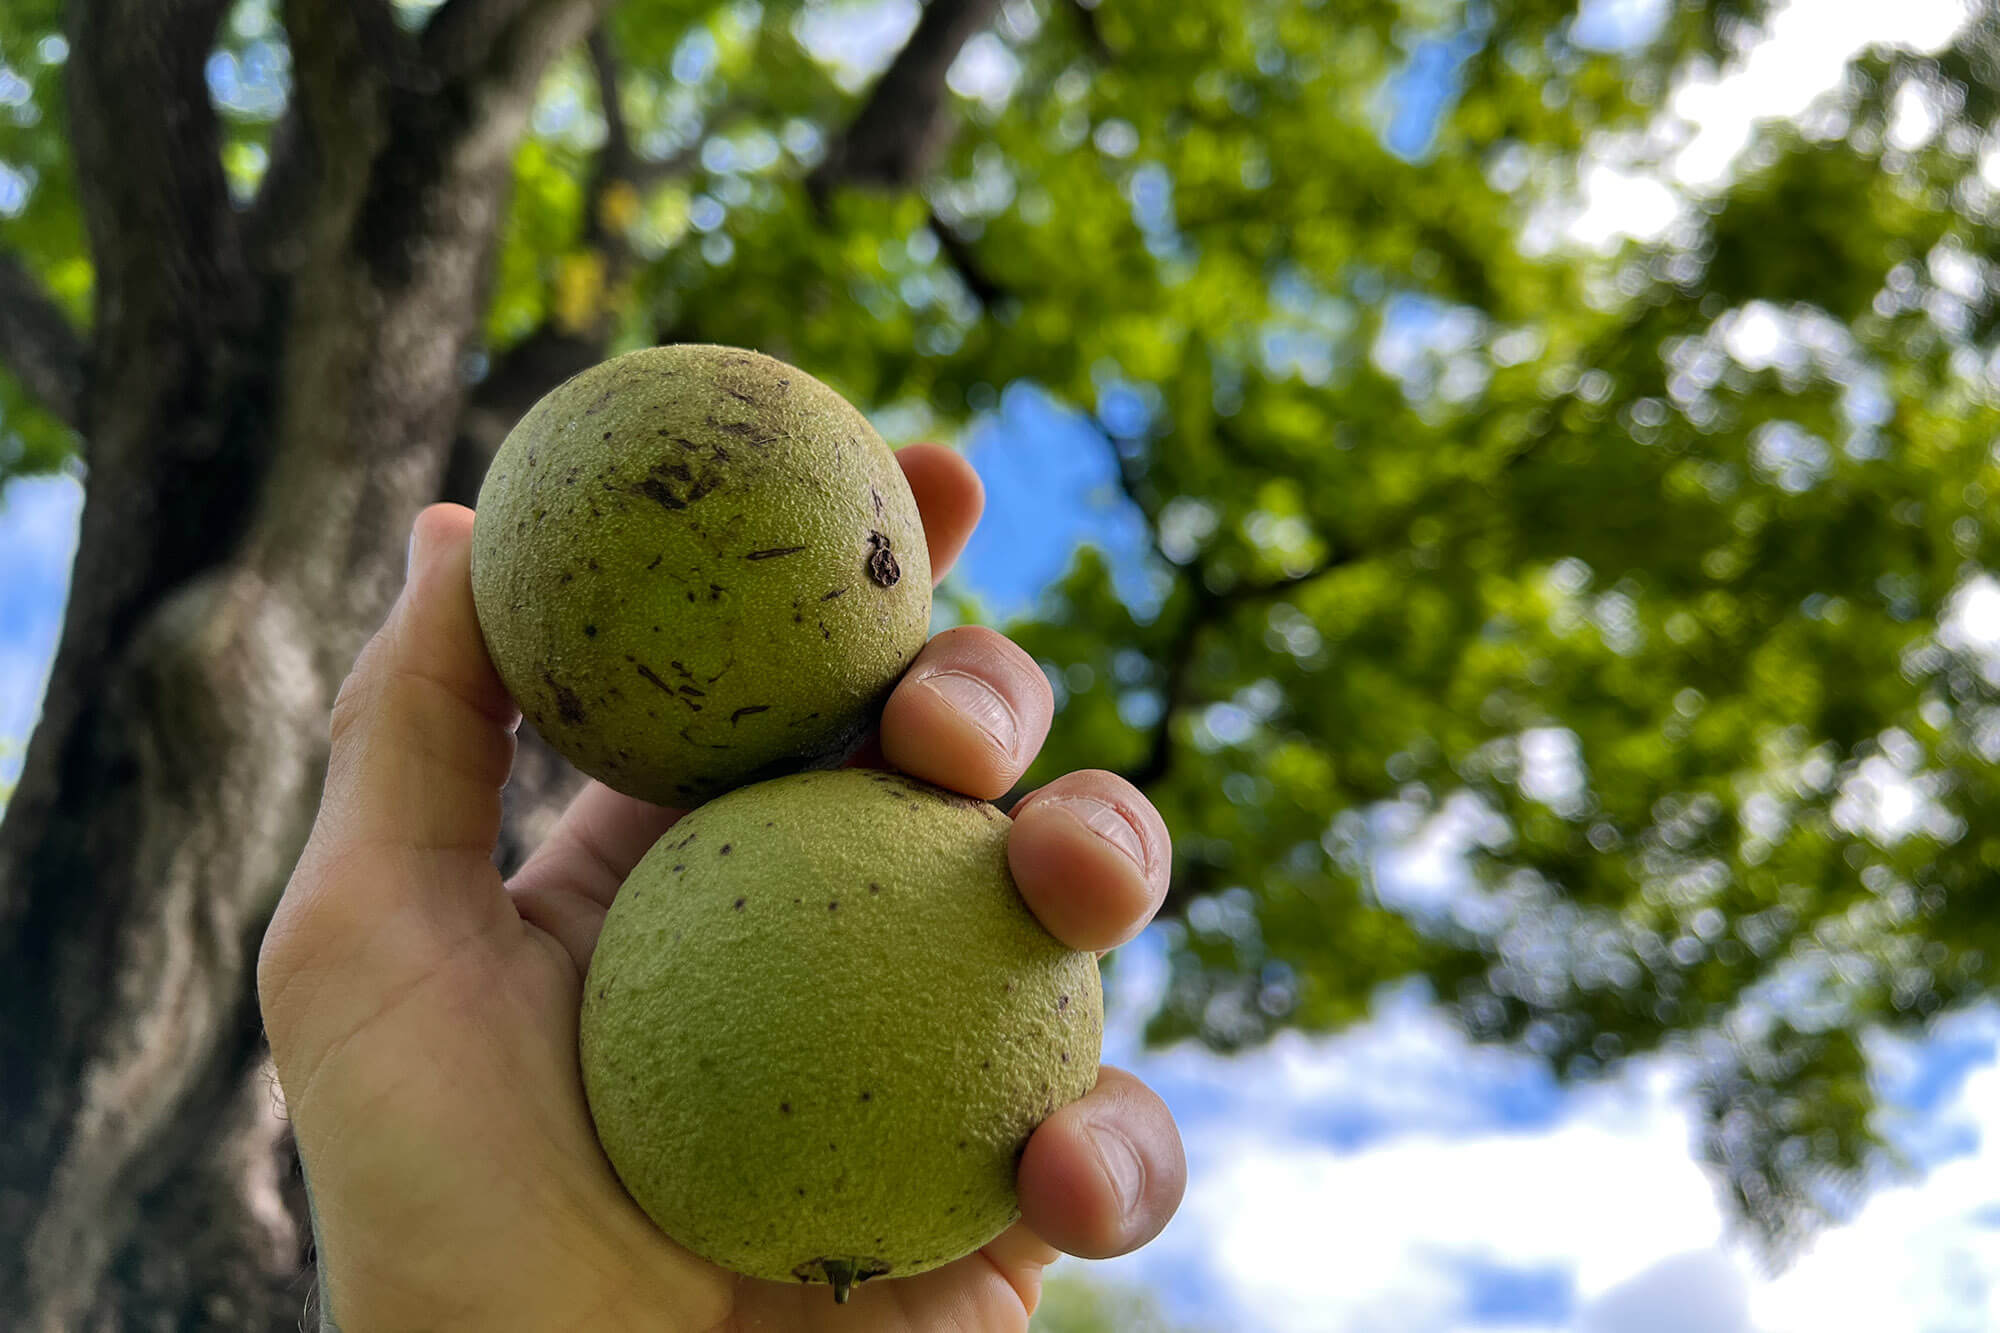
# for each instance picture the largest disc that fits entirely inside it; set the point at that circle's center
(267, 398)
(271, 397)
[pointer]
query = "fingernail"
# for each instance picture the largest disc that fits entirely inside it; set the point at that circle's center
(1106, 821)
(411, 553)
(980, 704)
(1122, 1168)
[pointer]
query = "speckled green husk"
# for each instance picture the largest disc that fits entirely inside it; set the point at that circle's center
(821, 1023)
(696, 566)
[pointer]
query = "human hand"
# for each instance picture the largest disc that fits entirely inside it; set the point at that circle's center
(423, 1014)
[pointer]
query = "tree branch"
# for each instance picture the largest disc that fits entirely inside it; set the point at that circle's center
(614, 160)
(1093, 32)
(987, 289)
(893, 139)
(38, 344)
(163, 234)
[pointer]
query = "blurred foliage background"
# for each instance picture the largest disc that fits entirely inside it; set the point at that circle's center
(1643, 573)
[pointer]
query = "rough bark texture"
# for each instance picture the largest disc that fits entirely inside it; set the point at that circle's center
(266, 396)
(272, 404)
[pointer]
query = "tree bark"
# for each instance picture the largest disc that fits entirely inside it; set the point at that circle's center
(266, 398)
(275, 394)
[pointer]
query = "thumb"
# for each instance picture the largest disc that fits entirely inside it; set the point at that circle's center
(422, 740)
(423, 729)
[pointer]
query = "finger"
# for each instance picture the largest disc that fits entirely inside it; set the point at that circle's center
(1103, 1175)
(593, 847)
(969, 714)
(1018, 1250)
(398, 869)
(949, 497)
(571, 919)
(1091, 856)
(422, 732)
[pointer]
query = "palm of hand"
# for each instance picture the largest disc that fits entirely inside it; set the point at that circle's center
(423, 1014)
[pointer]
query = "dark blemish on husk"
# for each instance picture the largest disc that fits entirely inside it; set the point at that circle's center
(607, 434)
(745, 711)
(882, 566)
(798, 619)
(656, 490)
(706, 745)
(652, 677)
(834, 906)
(656, 561)
(590, 631)
(739, 395)
(878, 500)
(568, 576)
(739, 907)
(1062, 1002)
(873, 887)
(694, 690)
(591, 564)
(772, 553)
(715, 591)
(679, 868)
(568, 707)
(986, 1064)
(725, 849)
(835, 593)
(785, 1108)
(603, 400)
(1065, 1054)
(867, 1096)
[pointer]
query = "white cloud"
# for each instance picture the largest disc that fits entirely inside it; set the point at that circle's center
(1289, 1229)
(1636, 187)
(1803, 55)
(1702, 1289)
(1299, 1237)
(1923, 1256)
(856, 38)
(986, 69)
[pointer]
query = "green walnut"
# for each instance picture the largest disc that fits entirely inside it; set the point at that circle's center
(821, 1024)
(695, 567)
